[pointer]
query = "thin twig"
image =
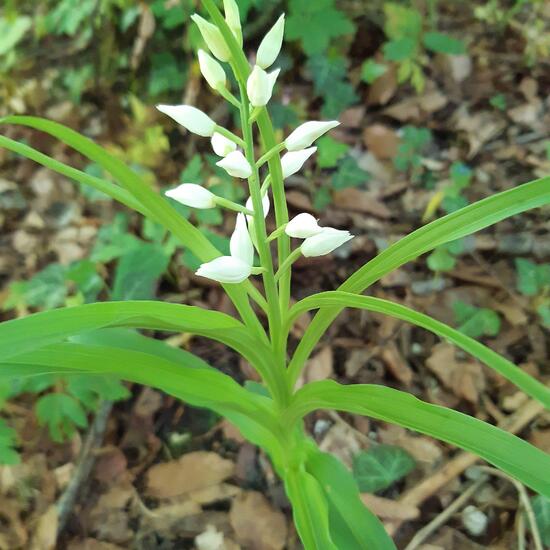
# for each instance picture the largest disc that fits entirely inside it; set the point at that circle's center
(86, 461)
(444, 516)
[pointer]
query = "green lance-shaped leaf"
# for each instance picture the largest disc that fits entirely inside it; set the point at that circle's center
(352, 524)
(511, 454)
(176, 372)
(458, 224)
(150, 203)
(37, 330)
(532, 387)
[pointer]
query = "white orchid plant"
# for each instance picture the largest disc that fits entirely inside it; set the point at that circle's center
(327, 508)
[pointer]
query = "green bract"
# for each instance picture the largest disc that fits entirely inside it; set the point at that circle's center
(101, 338)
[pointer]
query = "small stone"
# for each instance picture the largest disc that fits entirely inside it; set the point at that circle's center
(474, 521)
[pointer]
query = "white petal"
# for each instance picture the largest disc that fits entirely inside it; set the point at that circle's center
(265, 204)
(240, 244)
(233, 19)
(193, 195)
(225, 269)
(271, 44)
(258, 87)
(324, 242)
(236, 165)
(191, 118)
(293, 161)
(307, 133)
(213, 38)
(221, 145)
(302, 226)
(211, 70)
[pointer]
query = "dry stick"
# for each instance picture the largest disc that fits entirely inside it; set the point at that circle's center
(86, 461)
(454, 467)
(443, 517)
(524, 500)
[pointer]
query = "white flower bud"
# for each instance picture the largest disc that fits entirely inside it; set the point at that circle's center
(221, 145)
(302, 226)
(265, 204)
(191, 194)
(233, 19)
(240, 244)
(271, 44)
(324, 242)
(213, 38)
(292, 162)
(211, 70)
(307, 133)
(191, 118)
(225, 269)
(236, 165)
(259, 86)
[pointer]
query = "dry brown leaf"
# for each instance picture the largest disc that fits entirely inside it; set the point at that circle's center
(299, 200)
(396, 363)
(389, 509)
(383, 88)
(319, 367)
(357, 200)
(191, 472)
(92, 544)
(215, 493)
(45, 534)
(381, 140)
(465, 379)
(257, 525)
(341, 441)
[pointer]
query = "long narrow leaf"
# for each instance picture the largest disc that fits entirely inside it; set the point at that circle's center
(202, 386)
(111, 189)
(505, 451)
(35, 331)
(521, 379)
(463, 222)
(352, 524)
(157, 207)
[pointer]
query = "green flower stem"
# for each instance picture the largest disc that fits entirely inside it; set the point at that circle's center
(285, 266)
(254, 114)
(264, 158)
(277, 233)
(228, 96)
(230, 205)
(230, 135)
(266, 184)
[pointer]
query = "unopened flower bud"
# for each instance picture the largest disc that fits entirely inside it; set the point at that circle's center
(302, 226)
(307, 133)
(225, 269)
(240, 244)
(265, 204)
(191, 118)
(193, 195)
(236, 165)
(293, 161)
(259, 86)
(325, 242)
(233, 19)
(211, 70)
(271, 44)
(221, 145)
(213, 38)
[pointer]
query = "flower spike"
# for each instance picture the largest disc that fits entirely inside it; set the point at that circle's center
(225, 269)
(213, 38)
(236, 165)
(212, 71)
(302, 226)
(259, 86)
(221, 145)
(325, 242)
(240, 244)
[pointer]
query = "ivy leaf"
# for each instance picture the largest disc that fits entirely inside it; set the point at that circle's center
(338, 98)
(282, 115)
(443, 43)
(402, 22)
(349, 174)
(90, 390)
(86, 279)
(113, 240)
(531, 278)
(315, 24)
(138, 271)
(544, 311)
(441, 260)
(325, 70)
(8, 440)
(380, 467)
(371, 71)
(62, 414)
(399, 50)
(541, 509)
(476, 322)
(166, 74)
(330, 151)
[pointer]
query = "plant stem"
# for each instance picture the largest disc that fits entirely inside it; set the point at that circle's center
(285, 266)
(277, 233)
(230, 205)
(230, 135)
(273, 151)
(228, 96)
